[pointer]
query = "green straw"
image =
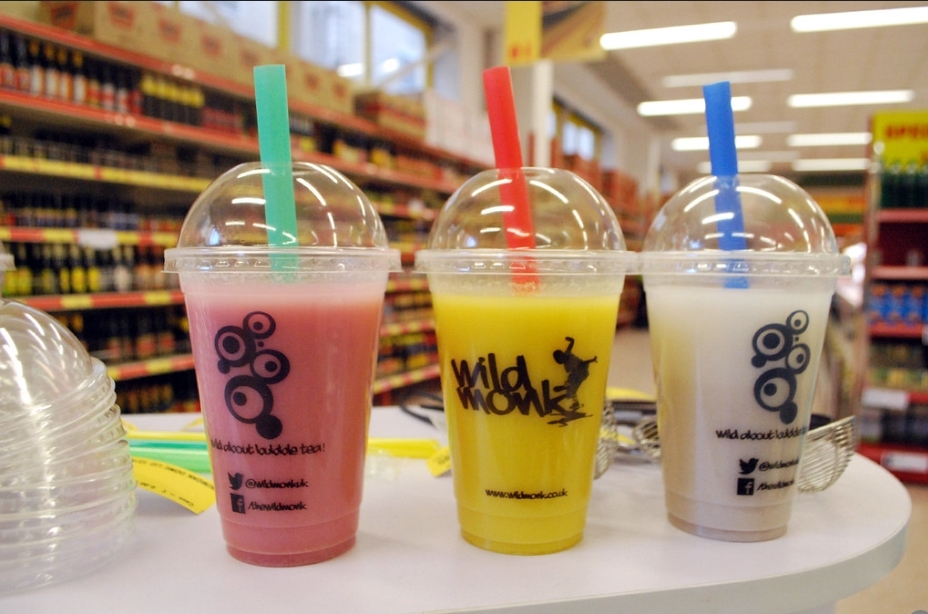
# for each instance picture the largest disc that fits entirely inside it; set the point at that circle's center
(192, 456)
(274, 145)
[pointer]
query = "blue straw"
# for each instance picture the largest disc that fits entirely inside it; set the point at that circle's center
(720, 124)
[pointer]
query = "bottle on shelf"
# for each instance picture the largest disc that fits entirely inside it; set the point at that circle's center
(135, 91)
(143, 275)
(94, 274)
(25, 265)
(79, 283)
(124, 269)
(197, 101)
(121, 89)
(48, 278)
(21, 63)
(159, 279)
(125, 336)
(164, 330)
(107, 269)
(79, 80)
(146, 345)
(36, 68)
(76, 324)
(10, 279)
(69, 211)
(50, 89)
(93, 82)
(110, 344)
(65, 75)
(7, 63)
(62, 268)
(149, 100)
(107, 87)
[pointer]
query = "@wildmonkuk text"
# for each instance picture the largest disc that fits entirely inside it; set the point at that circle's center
(499, 391)
(238, 504)
(237, 480)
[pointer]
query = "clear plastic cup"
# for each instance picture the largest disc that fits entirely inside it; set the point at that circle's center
(67, 491)
(524, 340)
(284, 340)
(56, 449)
(77, 555)
(91, 387)
(736, 339)
(90, 463)
(50, 433)
(41, 528)
(62, 497)
(18, 553)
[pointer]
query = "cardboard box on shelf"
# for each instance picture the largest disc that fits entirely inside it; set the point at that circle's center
(400, 113)
(619, 188)
(313, 84)
(307, 82)
(246, 53)
(209, 49)
(121, 24)
(587, 169)
(166, 34)
(341, 93)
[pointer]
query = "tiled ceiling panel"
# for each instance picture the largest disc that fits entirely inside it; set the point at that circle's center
(852, 60)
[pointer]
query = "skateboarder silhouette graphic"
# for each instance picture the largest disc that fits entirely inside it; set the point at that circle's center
(578, 370)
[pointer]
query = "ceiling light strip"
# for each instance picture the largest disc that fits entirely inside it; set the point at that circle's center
(837, 99)
(688, 106)
(738, 76)
(701, 143)
(654, 37)
(859, 19)
(833, 138)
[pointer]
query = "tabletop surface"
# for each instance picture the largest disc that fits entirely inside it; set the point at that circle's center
(409, 556)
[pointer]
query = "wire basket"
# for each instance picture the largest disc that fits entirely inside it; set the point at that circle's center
(828, 450)
(608, 444)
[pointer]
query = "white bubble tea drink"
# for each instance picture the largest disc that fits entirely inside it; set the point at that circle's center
(735, 370)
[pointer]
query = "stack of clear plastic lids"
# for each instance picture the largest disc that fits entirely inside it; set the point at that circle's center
(67, 491)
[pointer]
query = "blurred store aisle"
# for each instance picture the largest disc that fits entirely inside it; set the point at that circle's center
(903, 591)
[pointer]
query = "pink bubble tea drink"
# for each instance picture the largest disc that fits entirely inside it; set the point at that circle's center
(285, 341)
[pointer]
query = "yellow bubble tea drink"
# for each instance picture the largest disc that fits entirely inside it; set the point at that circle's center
(524, 338)
(524, 418)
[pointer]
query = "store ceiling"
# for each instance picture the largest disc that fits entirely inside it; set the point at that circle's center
(888, 58)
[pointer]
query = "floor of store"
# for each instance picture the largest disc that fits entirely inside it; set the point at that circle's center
(903, 591)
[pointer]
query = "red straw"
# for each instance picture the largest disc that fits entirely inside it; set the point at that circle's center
(501, 109)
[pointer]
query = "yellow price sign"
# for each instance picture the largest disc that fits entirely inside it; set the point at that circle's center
(522, 40)
(901, 137)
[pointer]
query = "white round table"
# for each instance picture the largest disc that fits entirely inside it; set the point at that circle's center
(409, 556)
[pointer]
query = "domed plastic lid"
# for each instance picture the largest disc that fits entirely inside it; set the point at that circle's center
(771, 224)
(41, 362)
(570, 223)
(335, 228)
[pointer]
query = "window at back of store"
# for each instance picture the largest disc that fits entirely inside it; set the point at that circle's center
(332, 34)
(397, 49)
